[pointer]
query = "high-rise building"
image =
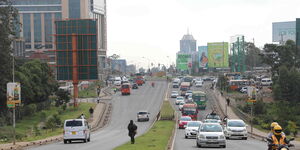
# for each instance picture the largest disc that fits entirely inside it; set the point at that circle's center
(119, 65)
(188, 44)
(38, 16)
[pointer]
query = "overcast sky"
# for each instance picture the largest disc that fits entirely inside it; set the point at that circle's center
(152, 28)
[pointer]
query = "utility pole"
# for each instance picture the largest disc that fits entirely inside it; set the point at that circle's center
(14, 108)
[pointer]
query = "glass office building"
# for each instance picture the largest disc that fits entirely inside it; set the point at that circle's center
(38, 28)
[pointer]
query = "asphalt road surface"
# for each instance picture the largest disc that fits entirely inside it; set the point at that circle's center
(125, 108)
(188, 144)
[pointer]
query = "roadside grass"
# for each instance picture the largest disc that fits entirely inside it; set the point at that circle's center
(90, 92)
(25, 128)
(155, 139)
(158, 136)
(166, 111)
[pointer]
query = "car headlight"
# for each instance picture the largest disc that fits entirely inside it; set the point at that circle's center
(201, 136)
(222, 137)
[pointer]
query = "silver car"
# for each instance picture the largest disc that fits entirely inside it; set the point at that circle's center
(211, 135)
(143, 116)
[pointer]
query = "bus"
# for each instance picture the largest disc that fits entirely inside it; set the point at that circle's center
(200, 99)
(190, 109)
(236, 84)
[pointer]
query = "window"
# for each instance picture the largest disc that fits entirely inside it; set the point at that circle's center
(74, 123)
(48, 27)
(36, 2)
(37, 28)
(26, 27)
(39, 8)
(74, 12)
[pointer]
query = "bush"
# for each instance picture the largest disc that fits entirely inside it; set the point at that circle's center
(291, 128)
(43, 116)
(64, 106)
(50, 123)
(57, 120)
(30, 109)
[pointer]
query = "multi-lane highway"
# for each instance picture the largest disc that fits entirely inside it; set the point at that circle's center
(125, 108)
(181, 143)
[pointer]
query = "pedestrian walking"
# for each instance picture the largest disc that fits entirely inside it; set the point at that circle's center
(228, 101)
(132, 130)
(91, 110)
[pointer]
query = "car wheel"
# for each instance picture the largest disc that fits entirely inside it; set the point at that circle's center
(198, 145)
(186, 136)
(89, 139)
(227, 138)
(65, 141)
(223, 146)
(245, 138)
(84, 141)
(70, 141)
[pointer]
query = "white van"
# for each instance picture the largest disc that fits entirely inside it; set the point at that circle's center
(266, 82)
(176, 83)
(118, 81)
(76, 129)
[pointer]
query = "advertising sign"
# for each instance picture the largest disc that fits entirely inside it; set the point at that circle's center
(183, 61)
(283, 31)
(203, 57)
(218, 54)
(13, 94)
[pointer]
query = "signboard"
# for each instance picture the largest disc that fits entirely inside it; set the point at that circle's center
(13, 94)
(203, 57)
(218, 54)
(78, 36)
(283, 31)
(183, 61)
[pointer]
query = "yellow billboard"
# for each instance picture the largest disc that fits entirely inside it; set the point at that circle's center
(217, 54)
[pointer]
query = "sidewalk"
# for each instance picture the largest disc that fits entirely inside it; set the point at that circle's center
(94, 122)
(231, 115)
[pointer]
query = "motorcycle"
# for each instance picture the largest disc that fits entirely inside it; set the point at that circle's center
(280, 146)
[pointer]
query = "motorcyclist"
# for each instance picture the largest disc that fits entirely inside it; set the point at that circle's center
(277, 138)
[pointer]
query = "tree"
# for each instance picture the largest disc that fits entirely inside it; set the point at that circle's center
(8, 20)
(278, 55)
(252, 55)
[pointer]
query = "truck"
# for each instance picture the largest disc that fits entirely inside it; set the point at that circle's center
(125, 89)
(185, 85)
(139, 79)
(200, 99)
(190, 109)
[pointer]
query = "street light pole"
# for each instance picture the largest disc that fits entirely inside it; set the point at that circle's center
(14, 108)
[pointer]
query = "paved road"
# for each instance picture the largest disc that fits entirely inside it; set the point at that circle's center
(124, 109)
(187, 144)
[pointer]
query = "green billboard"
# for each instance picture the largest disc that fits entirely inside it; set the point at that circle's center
(218, 54)
(183, 61)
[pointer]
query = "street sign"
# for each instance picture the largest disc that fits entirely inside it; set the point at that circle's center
(13, 94)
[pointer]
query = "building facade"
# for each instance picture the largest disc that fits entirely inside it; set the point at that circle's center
(188, 44)
(119, 65)
(38, 17)
(283, 31)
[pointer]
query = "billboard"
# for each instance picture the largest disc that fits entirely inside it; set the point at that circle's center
(218, 54)
(203, 57)
(13, 94)
(183, 61)
(283, 31)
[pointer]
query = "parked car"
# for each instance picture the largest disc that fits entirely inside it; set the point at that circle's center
(76, 129)
(192, 128)
(235, 128)
(135, 86)
(183, 121)
(179, 99)
(266, 82)
(199, 83)
(210, 134)
(174, 94)
(143, 115)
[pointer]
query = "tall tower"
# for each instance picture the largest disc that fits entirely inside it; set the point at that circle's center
(188, 44)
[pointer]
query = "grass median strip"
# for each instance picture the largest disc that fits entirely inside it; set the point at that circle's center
(155, 139)
(158, 136)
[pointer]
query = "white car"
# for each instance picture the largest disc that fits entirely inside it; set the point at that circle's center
(181, 105)
(174, 94)
(188, 93)
(192, 128)
(199, 83)
(76, 129)
(179, 99)
(210, 134)
(235, 128)
(143, 116)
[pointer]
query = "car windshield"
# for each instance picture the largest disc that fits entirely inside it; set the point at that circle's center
(211, 128)
(142, 113)
(181, 103)
(213, 117)
(74, 123)
(236, 124)
(179, 98)
(211, 121)
(185, 119)
(193, 124)
(174, 92)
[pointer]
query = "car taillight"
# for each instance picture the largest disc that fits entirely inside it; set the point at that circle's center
(84, 131)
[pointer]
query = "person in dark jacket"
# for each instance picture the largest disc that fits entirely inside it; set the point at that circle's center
(132, 128)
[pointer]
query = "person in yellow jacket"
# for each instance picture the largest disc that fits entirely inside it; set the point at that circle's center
(278, 137)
